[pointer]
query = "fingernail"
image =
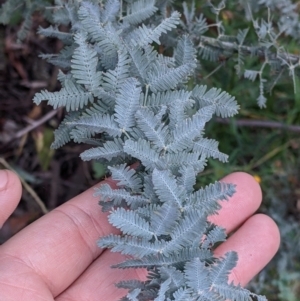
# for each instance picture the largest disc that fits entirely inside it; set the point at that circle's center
(3, 179)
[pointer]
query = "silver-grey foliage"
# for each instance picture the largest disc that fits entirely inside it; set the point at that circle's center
(132, 103)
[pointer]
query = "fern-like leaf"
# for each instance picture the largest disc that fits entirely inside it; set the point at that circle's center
(225, 104)
(176, 259)
(110, 11)
(164, 287)
(209, 148)
(98, 123)
(185, 52)
(208, 198)
(53, 31)
(164, 218)
(118, 195)
(104, 34)
(222, 267)
(109, 150)
(178, 108)
(72, 97)
(129, 245)
(141, 60)
(144, 35)
(130, 223)
(216, 235)
(182, 294)
(126, 176)
(153, 129)
(251, 74)
(186, 132)
(142, 151)
(197, 276)
(127, 103)
(84, 63)
(188, 177)
(230, 291)
(187, 232)
(139, 11)
(167, 188)
(62, 133)
(113, 79)
(163, 78)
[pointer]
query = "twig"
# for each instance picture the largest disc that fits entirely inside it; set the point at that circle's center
(26, 186)
(261, 123)
(259, 51)
(34, 125)
(269, 155)
(214, 71)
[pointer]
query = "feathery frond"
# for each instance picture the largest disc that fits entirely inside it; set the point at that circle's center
(62, 133)
(126, 176)
(53, 31)
(118, 195)
(84, 63)
(154, 130)
(142, 151)
(129, 222)
(139, 11)
(167, 188)
(144, 35)
(130, 245)
(127, 103)
(109, 150)
(209, 148)
(185, 132)
(176, 259)
(112, 79)
(188, 231)
(98, 123)
(72, 97)
(185, 52)
(132, 102)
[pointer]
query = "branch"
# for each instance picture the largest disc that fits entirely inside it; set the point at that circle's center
(261, 52)
(261, 123)
(34, 125)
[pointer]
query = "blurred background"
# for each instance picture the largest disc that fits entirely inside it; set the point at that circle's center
(263, 142)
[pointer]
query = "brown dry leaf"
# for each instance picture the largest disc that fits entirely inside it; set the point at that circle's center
(227, 15)
(298, 205)
(36, 84)
(35, 113)
(16, 223)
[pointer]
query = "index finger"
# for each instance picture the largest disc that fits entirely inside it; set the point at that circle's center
(241, 205)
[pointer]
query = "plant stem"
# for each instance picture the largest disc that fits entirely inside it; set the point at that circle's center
(261, 123)
(247, 50)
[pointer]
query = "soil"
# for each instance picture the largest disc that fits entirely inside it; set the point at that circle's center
(53, 176)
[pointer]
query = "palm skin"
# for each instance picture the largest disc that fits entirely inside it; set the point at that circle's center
(56, 257)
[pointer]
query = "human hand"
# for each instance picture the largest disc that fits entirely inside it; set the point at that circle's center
(56, 257)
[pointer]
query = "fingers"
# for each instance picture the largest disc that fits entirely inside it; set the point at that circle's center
(256, 242)
(62, 244)
(99, 278)
(10, 194)
(241, 205)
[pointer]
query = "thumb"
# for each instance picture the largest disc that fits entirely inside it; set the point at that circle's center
(10, 194)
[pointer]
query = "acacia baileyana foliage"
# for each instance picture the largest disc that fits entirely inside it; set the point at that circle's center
(131, 103)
